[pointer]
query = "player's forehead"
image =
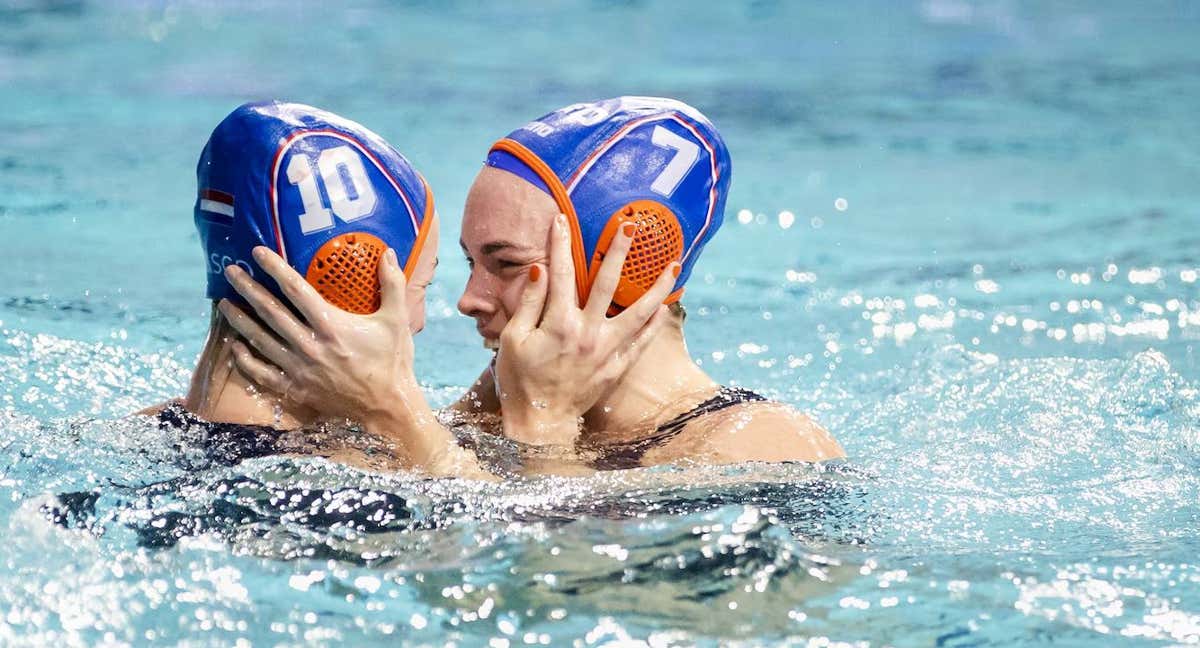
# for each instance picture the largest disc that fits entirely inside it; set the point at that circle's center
(504, 211)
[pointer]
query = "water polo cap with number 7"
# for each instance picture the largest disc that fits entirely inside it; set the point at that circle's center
(658, 163)
(327, 194)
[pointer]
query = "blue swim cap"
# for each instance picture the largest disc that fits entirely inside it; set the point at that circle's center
(655, 162)
(324, 192)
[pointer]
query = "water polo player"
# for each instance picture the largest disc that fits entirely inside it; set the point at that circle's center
(333, 199)
(657, 169)
(563, 198)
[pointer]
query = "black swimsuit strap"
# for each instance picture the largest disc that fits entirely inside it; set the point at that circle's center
(223, 443)
(725, 398)
(630, 455)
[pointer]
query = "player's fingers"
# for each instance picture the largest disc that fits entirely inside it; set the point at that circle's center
(254, 333)
(609, 275)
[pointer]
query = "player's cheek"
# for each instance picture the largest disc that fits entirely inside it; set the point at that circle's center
(510, 293)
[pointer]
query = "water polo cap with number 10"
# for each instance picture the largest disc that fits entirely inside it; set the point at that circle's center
(327, 194)
(658, 163)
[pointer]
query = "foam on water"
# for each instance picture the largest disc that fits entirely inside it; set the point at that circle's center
(1027, 497)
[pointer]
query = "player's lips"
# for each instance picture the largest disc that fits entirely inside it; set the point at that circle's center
(489, 337)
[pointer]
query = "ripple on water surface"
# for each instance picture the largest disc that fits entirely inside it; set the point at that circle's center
(998, 498)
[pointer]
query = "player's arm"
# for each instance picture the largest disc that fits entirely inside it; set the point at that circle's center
(341, 364)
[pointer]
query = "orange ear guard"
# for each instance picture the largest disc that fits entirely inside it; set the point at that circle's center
(657, 242)
(345, 271)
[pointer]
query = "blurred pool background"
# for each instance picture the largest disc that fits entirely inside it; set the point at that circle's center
(962, 234)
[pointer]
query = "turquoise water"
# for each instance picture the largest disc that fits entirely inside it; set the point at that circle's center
(961, 234)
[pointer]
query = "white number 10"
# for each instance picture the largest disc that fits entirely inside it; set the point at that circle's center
(351, 195)
(686, 154)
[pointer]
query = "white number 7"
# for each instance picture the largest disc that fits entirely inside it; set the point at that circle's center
(686, 154)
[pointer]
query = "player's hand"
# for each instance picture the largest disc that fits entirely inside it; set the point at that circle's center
(557, 359)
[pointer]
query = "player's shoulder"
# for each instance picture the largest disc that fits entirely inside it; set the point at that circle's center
(766, 431)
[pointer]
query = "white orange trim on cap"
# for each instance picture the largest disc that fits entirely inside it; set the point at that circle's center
(422, 233)
(564, 202)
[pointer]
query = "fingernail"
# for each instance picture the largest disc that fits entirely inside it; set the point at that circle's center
(222, 305)
(232, 272)
(391, 257)
(259, 253)
(676, 269)
(534, 273)
(628, 229)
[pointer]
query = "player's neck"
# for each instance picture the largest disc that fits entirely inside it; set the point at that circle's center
(219, 392)
(663, 382)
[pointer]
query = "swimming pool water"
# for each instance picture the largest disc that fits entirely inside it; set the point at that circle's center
(961, 234)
